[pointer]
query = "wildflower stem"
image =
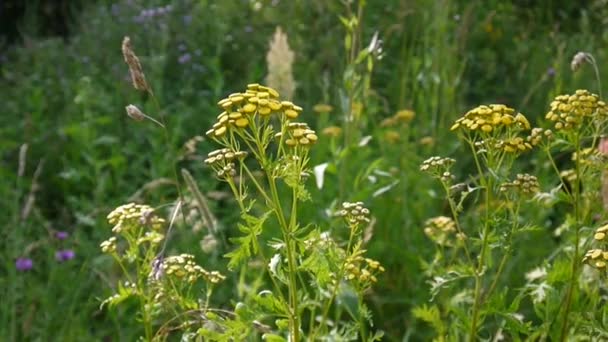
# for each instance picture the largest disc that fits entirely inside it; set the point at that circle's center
(577, 223)
(506, 256)
(456, 220)
(591, 59)
(238, 196)
(335, 289)
(294, 325)
(170, 147)
(485, 182)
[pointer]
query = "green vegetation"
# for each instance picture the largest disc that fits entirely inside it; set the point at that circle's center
(404, 170)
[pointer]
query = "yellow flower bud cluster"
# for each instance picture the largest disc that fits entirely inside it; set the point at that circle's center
(299, 134)
(598, 257)
(152, 237)
(601, 234)
(568, 175)
(109, 246)
(524, 183)
(589, 156)
(512, 145)
(363, 270)
(392, 136)
(537, 134)
(403, 116)
(332, 131)
(441, 230)
(240, 109)
(131, 216)
(222, 161)
(354, 213)
(487, 119)
(183, 266)
(438, 167)
(569, 111)
(322, 108)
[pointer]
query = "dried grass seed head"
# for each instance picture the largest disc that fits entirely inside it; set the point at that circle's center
(280, 59)
(138, 78)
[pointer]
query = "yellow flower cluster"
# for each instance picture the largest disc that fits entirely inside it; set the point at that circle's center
(183, 266)
(299, 134)
(523, 183)
(601, 233)
(322, 108)
(363, 270)
(222, 161)
(568, 175)
(241, 108)
(440, 229)
(486, 119)
(154, 238)
(354, 213)
(537, 134)
(332, 131)
(130, 216)
(109, 246)
(403, 116)
(569, 111)
(589, 156)
(597, 257)
(512, 145)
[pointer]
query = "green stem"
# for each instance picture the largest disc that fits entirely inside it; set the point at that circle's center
(577, 219)
(294, 325)
(335, 289)
(457, 221)
(486, 230)
(506, 256)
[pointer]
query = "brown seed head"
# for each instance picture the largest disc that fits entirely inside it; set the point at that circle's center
(137, 75)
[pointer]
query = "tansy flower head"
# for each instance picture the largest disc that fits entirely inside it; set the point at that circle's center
(568, 112)
(441, 230)
(223, 161)
(354, 213)
(405, 115)
(596, 258)
(298, 134)
(322, 108)
(601, 233)
(486, 119)
(524, 184)
(438, 167)
(332, 131)
(362, 271)
(130, 216)
(184, 267)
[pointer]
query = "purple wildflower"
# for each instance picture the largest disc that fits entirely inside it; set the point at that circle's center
(185, 58)
(64, 255)
(61, 235)
(550, 72)
(24, 264)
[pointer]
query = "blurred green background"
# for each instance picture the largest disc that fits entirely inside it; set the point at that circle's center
(64, 86)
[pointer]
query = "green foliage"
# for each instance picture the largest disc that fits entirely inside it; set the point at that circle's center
(63, 104)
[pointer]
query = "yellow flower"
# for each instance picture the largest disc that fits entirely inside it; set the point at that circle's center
(332, 131)
(392, 136)
(570, 111)
(427, 141)
(405, 115)
(322, 108)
